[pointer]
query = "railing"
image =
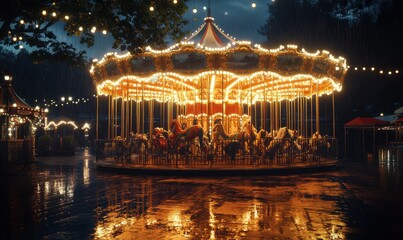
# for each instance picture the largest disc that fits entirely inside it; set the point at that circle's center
(266, 151)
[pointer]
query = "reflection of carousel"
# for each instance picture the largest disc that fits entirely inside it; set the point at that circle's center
(217, 89)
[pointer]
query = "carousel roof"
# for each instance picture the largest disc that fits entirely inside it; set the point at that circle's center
(217, 69)
(210, 35)
(9, 98)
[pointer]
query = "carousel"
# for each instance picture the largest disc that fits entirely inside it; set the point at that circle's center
(212, 101)
(18, 124)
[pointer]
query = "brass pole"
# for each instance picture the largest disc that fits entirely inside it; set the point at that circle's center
(317, 109)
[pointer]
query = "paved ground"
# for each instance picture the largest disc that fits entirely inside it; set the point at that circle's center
(68, 198)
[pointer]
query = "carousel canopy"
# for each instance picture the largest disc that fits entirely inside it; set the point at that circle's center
(214, 71)
(16, 106)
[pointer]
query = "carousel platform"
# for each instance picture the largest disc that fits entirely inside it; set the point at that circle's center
(225, 158)
(195, 169)
(242, 165)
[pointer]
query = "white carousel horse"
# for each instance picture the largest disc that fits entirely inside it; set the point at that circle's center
(284, 138)
(219, 131)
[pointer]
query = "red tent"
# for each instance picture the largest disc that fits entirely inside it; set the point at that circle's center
(365, 122)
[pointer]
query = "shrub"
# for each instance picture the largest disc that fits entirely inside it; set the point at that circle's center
(44, 144)
(68, 145)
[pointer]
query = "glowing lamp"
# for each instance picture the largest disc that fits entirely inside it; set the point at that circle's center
(8, 77)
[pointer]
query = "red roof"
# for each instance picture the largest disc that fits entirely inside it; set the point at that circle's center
(399, 120)
(361, 121)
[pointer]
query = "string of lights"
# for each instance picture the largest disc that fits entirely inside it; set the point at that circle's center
(63, 101)
(379, 70)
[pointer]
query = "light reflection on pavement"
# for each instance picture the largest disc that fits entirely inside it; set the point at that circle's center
(67, 198)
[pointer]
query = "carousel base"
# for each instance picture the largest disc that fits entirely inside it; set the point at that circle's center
(218, 169)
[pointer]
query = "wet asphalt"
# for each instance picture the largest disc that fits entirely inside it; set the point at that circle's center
(68, 198)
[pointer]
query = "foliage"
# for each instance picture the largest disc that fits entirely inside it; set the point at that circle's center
(35, 23)
(68, 144)
(353, 29)
(44, 143)
(51, 81)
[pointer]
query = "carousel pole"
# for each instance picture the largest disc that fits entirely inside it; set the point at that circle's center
(271, 116)
(264, 104)
(137, 110)
(287, 110)
(301, 114)
(294, 114)
(311, 111)
(122, 117)
(151, 115)
(201, 99)
(162, 118)
(131, 115)
(306, 117)
(96, 118)
(275, 113)
(116, 115)
(280, 115)
(109, 117)
(208, 105)
(223, 105)
(113, 115)
(334, 117)
(317, 108)
(127, 111)
(142, 107)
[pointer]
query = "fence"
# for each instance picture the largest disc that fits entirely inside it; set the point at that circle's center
(265, 151)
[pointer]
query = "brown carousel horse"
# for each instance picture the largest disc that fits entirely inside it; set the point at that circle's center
(188, 135)
(235, 141)
(256, 137)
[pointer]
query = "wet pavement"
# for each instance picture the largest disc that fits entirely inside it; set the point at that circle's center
(68, 198)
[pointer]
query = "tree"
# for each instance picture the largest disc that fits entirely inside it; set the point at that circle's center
(354, 29)
(131, 23)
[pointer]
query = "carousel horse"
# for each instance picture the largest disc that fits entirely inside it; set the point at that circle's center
(253, 133)
(234, 142)
(137, 142)
(159, 138)
(159, 142)
(284, 138)
(319, 144)
(188, 135)
(255, 136)
(219, 131)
